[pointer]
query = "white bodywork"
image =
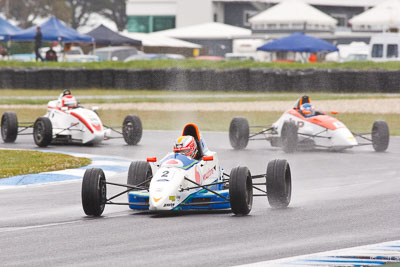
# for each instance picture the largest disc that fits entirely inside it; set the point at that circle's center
(327, 131)
(385, 47)
(78, 125)
(169, 178)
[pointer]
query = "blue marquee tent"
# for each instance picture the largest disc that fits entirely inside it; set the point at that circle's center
(7, 29)
(298, 42)
(52, 30)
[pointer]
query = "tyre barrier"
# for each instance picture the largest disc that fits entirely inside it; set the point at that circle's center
(259, 80)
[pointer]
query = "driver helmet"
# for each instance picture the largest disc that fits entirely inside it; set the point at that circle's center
(307, 110)
(69, 101)
(186, 145)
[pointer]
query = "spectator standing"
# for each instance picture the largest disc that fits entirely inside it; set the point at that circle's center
(38, 43)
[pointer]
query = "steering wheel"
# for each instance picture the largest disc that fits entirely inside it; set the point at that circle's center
(66, 92)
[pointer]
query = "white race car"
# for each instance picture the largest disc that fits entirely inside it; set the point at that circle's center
(67, 122)
(303, 127)
(183, 183)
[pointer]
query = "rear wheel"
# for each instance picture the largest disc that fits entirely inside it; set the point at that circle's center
(380, 135)
(132, 129)
(9, 127)
(138, 173)
(241, 190)
(94, 192)
(289, 137)
(42, 131)
(279, 183)
(239, 133)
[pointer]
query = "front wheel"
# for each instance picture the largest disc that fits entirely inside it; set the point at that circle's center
(42, 132)
(239, 133)
(9, 127)
(279, 183)
(139, 174)
(94, 192)
(380, 135)
(241, 190)
(132, 129)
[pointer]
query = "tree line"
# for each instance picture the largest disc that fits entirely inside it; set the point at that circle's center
(75, 13)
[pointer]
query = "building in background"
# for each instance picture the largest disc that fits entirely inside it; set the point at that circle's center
(148, 16)
(156, 15)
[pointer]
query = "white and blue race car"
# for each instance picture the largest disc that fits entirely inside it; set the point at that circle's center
(178, 182)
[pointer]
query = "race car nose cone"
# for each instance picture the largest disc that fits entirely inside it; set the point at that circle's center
(342, 137)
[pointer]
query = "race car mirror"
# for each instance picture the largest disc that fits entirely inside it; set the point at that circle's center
(153, 159)
(334, 112)
(95, 108)
(208, 158)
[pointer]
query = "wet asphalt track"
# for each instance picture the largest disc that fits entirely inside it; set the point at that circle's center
(339, 200)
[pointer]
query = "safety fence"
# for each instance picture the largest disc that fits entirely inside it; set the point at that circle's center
(261, 80)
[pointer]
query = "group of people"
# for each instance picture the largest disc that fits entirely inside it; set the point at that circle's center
(51, 54)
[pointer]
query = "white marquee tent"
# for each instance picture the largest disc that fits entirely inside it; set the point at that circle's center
(151, 39)
(211, 30)
(382, 16)
(294, 13)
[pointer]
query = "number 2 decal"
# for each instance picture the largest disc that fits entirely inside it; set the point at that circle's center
(165, 174)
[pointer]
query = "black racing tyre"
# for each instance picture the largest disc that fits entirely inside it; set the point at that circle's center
(132, 129)
(380, 135)
(9, 127)
(279, 183)
(289, 137)
(240, 190)
(138, 173)
(239, 133)
(94, 192)
(42, 132)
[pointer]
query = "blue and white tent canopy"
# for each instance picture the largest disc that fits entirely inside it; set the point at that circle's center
(52, 30)
(7, 29)
(298, 42)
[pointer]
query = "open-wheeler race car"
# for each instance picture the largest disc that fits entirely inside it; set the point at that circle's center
(303, 127)
(67, 122)
(181, 182)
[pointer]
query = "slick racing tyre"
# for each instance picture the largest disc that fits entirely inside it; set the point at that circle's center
(279, 183)
(380, 135)
(94, 192)
(239, 133)
(132, 129)
(9, 127)
(289, 137)
(42, 132)
(139, 174)
(241, 190)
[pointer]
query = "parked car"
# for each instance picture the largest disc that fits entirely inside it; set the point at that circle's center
(115, 53)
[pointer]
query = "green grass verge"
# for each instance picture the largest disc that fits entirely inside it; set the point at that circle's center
(19, 162)
(196, 64)
(216, 121)
(13, 97)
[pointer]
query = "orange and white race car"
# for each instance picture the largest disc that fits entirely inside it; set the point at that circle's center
(303, 127)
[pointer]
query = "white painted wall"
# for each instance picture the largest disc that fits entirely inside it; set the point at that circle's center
(151, 8)
(191, 12)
